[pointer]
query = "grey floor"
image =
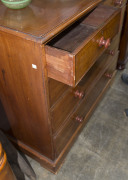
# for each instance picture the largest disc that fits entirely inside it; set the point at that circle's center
(101, 150)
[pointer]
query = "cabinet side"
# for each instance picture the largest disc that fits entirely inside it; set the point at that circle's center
(23, 94)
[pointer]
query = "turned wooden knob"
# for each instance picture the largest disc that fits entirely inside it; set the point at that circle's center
(103, 42)
(112, 52)
(118, 2)
(79, 94)
(108, 75)
(79, 119)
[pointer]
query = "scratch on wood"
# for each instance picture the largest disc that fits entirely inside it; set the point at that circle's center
(3, 73)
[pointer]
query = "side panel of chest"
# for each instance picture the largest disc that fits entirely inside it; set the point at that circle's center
(23, 92)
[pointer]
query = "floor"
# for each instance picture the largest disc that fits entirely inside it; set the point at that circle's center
(101, 150)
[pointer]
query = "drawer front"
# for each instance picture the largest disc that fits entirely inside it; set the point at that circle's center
(81, 115)
(68, 64)
(92, 51)
(69, 101)
(116, 3)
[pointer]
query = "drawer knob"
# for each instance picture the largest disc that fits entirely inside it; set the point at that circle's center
(118, 2)
(79, 94)
(112, 52)
(103, 42)
(79, 119)
(108, 75)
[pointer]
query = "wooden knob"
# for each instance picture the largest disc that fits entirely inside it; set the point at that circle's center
(112, 52)
(103, 42)
(79, 94)
(118, 2)
(108, 75)
(79, 119)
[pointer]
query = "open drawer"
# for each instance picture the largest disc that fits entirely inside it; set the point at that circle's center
(72, 53)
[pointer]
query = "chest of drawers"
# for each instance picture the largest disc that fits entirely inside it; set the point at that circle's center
(57, 59)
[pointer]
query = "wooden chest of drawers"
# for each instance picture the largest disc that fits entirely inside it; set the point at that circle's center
(57, 60)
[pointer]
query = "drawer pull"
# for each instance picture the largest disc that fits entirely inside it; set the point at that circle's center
(118, 2)
(108, 75)
(103, 42)
(112, 52)
(79, 119)
(79, 94)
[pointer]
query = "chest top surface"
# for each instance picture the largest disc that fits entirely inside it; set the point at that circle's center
(44, 18)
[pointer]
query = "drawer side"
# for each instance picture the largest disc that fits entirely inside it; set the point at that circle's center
(60, 65)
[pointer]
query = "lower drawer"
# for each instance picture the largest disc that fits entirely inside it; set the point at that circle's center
(80, 116)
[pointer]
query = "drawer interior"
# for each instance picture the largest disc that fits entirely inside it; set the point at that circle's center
(71, 38)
